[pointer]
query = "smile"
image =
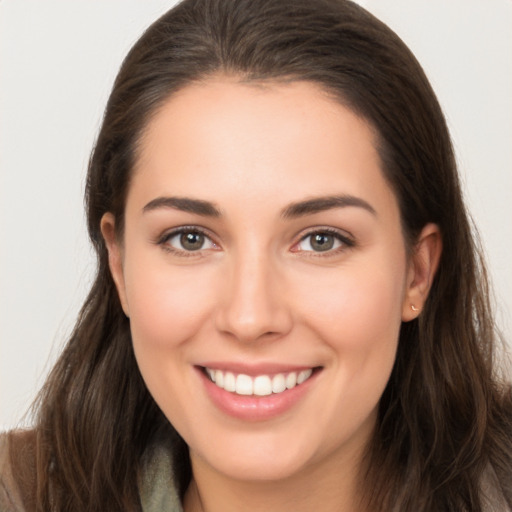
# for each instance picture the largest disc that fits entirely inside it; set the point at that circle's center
(260, 385)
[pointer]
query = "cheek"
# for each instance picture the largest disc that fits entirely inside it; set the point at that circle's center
(167, 309)
(166, 305)
(358, 315)
(357, 308)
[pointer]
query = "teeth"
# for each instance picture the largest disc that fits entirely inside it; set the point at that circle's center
(243, 385)
(278, 383)
(219, 378)
(229, 382)
(291, 380)
(304, 375)
(262, 385)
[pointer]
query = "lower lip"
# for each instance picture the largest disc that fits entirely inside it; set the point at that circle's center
(256, 408)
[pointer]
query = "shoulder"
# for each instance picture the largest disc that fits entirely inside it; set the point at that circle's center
(18, 476)
(17, 471)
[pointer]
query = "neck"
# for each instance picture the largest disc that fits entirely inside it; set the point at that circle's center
(332, 486)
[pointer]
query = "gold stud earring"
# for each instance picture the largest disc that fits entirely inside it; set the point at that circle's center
(414, 308)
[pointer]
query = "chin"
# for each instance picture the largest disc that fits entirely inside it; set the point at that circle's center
(270, 468)
(258, 458)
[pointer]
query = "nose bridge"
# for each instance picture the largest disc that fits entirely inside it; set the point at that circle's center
(253, 305)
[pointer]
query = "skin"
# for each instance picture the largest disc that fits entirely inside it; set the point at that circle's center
(256, 292)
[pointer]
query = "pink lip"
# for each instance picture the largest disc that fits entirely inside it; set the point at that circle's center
(255, 408)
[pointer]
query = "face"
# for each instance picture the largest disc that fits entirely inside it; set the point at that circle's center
(264, 272)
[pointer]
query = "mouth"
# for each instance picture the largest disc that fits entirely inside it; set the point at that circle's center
(258, 385)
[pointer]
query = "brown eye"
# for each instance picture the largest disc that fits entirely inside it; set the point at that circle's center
(322, 241)
(184, 240)
(192, 241)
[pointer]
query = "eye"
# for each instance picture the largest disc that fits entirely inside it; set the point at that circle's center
(322, 241)
(187, 240)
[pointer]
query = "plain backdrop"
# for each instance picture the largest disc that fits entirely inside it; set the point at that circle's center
(58, 59)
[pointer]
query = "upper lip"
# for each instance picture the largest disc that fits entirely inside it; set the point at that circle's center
(256, 369)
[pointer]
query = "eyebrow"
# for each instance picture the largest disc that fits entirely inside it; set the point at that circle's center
(320, 204)
(185, 204)
(298, 209)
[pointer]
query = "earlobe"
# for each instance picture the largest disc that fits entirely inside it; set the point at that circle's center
(422, 268)
(115, 260)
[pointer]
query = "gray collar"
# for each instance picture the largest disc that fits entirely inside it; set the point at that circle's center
(158, 491)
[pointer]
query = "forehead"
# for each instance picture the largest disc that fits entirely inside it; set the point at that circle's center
(222, 136)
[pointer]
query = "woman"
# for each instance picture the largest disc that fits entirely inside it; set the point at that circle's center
(289, 309)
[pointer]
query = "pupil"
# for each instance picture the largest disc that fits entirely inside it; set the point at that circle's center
(322, 242)
(192, 241)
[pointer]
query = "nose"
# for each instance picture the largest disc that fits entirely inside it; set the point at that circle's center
(254, 302)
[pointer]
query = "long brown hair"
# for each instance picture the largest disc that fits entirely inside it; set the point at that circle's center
(445, 419)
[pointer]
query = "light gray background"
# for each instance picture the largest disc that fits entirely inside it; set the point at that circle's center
(58, 59)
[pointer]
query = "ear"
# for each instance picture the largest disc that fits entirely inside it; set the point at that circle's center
(115, 257)
(422, 268)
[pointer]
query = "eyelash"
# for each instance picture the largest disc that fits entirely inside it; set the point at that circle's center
(166, 237)
(345, 241)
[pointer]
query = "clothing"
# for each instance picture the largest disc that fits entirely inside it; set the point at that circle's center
(17, 485)
(157, 490)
